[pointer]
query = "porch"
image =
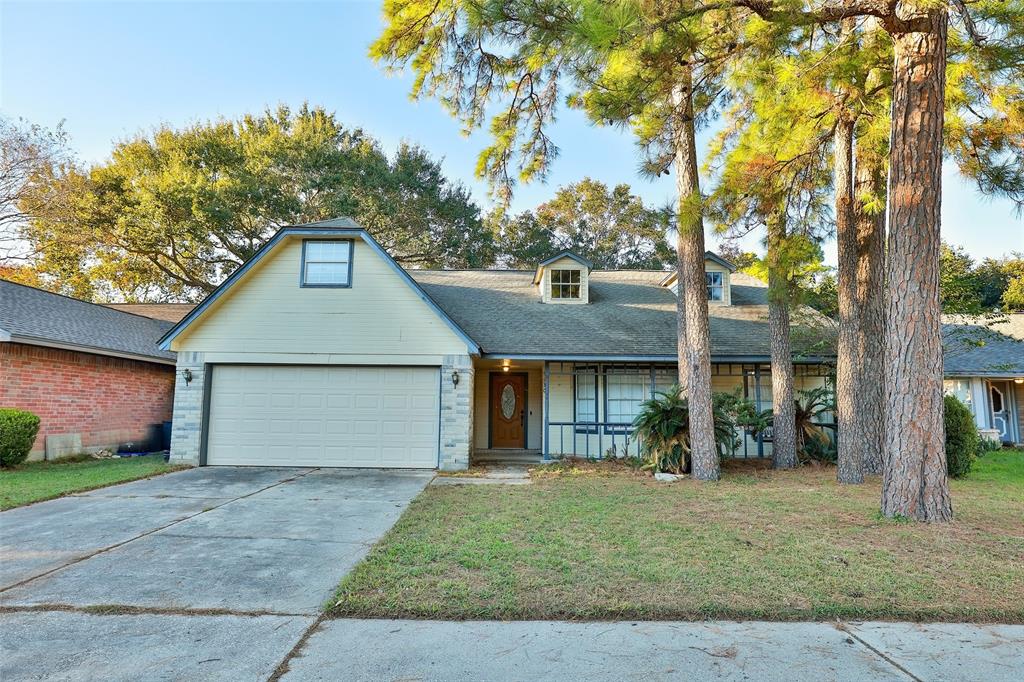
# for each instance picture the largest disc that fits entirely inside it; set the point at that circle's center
(997, 403)
(533, 410)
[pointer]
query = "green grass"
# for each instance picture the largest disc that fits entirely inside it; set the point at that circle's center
(593, 544)
(37, 481)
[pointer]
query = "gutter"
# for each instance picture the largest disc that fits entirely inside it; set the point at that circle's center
(736, 359)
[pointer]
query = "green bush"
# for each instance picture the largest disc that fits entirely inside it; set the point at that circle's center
(961, 438)
(663, 426)
(18, 430)
(988, 445)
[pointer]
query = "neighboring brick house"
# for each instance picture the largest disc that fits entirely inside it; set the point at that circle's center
(94, 375)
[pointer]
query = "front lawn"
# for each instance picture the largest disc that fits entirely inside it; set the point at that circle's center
(757, 545)
(38, 481)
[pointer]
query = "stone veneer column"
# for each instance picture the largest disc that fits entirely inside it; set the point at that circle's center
(187, 427)
(456, 412)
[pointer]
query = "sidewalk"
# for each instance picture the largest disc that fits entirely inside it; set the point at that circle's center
(474, 650)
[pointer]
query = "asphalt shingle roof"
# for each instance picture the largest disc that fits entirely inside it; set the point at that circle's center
(628, 314)
(29, 313)
(978, 347)
(171, 312)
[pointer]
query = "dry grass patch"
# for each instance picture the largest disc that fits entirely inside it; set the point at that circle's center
(590, 542)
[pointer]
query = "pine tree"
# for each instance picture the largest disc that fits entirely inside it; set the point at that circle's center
(653, 68)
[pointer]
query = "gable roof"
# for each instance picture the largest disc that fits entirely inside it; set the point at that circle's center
(341, 227)
(629, 316)
(673, 274)
(566, 253)
(976, 346)
(36, 317)
(169, 312)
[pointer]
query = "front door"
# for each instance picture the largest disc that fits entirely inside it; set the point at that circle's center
(508, 410)
(1000, 411)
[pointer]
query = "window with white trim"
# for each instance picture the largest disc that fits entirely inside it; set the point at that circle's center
(961, 388)
(624, 393)
(565, 284)
(585, 379)
(716, 285)
(327, 263)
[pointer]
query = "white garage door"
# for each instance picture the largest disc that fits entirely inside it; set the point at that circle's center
(324, 416)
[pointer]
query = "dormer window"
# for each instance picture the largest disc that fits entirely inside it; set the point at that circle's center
(564, 278)
(717, 275)
(716, 285)
(565, 284)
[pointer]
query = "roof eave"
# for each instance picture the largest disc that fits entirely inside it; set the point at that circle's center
(81, 348)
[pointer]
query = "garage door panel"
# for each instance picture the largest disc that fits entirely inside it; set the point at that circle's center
(324, 416)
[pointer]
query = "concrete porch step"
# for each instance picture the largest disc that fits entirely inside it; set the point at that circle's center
(506, 456)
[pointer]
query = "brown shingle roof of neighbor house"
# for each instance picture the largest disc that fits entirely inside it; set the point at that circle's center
(629, 314)
(170, 312)
(983, 346)
(37, 317)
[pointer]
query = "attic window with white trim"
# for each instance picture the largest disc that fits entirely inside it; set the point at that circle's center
(327, 263)
(716, 285)
(565, 284)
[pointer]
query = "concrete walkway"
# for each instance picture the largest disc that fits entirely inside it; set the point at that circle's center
(431, 650)
(220, 574)
(211, 573)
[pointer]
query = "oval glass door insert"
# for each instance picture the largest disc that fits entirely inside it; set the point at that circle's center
(508, 401)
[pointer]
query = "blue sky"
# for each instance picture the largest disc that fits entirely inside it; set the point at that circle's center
(111, 70)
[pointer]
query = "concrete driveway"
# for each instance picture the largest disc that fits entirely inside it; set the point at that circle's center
(204, 573)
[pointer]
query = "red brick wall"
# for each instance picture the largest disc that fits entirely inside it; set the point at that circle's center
(107, 400)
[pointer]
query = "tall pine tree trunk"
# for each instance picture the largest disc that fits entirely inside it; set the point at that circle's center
(915, 483)
(850, 357)
(695, 354)
(870, 226)
(779, 299)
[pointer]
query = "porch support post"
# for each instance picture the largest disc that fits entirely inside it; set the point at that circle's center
(547, 412)
(757, 400)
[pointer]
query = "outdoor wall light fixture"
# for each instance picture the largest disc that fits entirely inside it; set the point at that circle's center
(504, 368)
(186, 374)
(1019, 380)
(455, 378)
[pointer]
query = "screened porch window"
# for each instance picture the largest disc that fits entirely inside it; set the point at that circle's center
(585, 406)
(624, 394)
(565, 284)
(961, 388)
(716, 286)
(327, 263)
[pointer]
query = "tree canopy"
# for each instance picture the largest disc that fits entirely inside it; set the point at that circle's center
(172, 213)
(610, 227)
(972, 288)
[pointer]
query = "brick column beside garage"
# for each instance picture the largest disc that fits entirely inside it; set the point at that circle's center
(108, 401)
(186, 432)
(456, 412)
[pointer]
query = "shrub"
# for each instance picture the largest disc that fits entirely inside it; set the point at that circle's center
(813, 440)
(18, 430)
(961, 437)
(988, 445)
(663, 426)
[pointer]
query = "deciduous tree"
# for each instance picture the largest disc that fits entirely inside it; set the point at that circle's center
(612, 228)
(171, 214)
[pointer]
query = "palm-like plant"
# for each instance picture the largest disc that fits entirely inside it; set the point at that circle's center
(663, 426)
(812, 439)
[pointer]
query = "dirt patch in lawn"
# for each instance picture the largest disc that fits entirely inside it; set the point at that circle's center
(592, 542)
